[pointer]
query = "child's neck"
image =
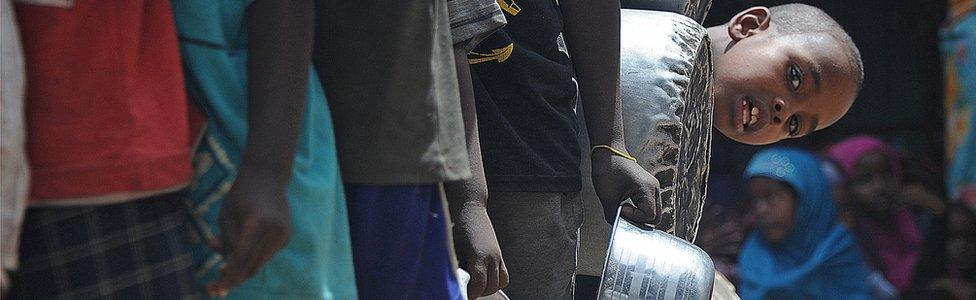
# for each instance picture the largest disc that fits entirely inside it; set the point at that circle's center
(719, 37)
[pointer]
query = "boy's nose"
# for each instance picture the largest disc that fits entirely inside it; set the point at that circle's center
(779, 109)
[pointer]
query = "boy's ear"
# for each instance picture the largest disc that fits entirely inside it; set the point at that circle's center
(749, 22)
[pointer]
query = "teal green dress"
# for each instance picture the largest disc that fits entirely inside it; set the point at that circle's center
(317, 262)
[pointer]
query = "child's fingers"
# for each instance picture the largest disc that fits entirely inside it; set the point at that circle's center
(255, 248)
(226, 241)
(646, 201)
(233, 273)
(649, 210)
(491, 283)
(479, 279)
(635, 215)
(502, 275)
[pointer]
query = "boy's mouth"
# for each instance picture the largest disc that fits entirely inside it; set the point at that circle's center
(750, 115)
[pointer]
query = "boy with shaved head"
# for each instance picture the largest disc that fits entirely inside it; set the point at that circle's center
(782, 72)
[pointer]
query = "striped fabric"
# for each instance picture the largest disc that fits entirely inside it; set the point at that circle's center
(132, 250)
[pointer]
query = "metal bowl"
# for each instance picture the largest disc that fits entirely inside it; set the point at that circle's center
(645, 263)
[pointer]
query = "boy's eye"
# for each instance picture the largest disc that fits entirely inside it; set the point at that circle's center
(794, 125)
(795, 77)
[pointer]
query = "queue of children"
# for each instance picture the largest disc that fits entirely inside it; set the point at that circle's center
(355, 149)
(149, 122)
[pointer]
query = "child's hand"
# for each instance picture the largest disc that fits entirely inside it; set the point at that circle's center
(255, 222)
(479, 253)
(616, 179)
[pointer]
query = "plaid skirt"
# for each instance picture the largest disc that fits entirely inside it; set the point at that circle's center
(131, 250)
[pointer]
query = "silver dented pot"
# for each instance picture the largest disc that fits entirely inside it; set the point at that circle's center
(645, 263)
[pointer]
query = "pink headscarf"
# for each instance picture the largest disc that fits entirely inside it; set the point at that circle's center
(847, 152)
(894, 243)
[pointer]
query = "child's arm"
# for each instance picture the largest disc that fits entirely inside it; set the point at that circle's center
(475, 242)
(255, 221)
(474, 235)
(592, 33)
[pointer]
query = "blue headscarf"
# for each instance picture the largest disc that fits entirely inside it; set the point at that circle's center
(819, 258)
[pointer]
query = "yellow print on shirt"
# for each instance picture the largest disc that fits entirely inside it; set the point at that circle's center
(511, 8)
(499, 54)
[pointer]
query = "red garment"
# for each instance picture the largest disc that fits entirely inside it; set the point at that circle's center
(897, 243)
(106, 108)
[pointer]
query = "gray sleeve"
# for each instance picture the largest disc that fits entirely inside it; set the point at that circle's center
(473, 20)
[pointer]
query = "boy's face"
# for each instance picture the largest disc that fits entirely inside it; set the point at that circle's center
(770, 87)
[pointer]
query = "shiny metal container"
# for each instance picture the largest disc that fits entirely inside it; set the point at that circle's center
(645, 263)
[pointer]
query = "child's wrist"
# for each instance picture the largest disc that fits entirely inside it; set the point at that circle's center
(613, 151)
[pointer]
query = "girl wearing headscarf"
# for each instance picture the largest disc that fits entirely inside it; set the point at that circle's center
(800, 250)
(885, 226)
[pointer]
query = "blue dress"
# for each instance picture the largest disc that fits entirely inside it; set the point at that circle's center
(317, 262)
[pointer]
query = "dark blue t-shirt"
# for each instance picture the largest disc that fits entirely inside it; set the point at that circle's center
(526, 99)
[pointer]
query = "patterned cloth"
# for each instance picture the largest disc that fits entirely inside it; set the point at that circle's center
(666, 105)
(132, 250)
(959, 57)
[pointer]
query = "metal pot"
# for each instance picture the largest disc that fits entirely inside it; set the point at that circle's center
(645, 263)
